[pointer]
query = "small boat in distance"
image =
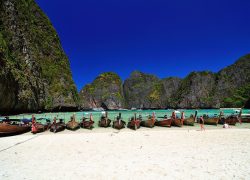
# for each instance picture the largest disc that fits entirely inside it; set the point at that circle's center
(119, 123)
(150, 122)
(104, 121)
(10, 127)
(87, 124)
(164, 122)
(73, 124)
(134, 123)
(57, 127)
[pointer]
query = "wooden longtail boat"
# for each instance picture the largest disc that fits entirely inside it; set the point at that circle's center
(244, 118)
(230, 120)
(211, 120)
(191, 120)
(88, 124)
(119, 123)
(57, 127)
(73, 124)
(178, 122)
(150, 122)
(165, 122)
(104, 121)
(39, 127)
(13, 127)
(134, 123)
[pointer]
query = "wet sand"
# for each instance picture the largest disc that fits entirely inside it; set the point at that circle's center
(158, 153)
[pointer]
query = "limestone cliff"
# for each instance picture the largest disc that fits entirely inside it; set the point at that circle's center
(106, 92)
(35, 72)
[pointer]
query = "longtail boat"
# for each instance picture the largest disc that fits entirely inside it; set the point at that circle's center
(191, 120)
(164, 122)
(57, 127)
(88, 124)
(231, 120)
(38, 127)
(104, 121)
(119, 123)
(73, 124)
(134, 123)
(244, 118)
(178, 122)
(13, 127)
(211, 120)
(150, 122)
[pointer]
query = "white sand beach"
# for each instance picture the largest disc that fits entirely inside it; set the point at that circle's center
(144, 154)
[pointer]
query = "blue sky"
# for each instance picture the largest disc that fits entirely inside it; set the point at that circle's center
(161, 37)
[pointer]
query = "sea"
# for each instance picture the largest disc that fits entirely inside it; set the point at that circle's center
(127, 114)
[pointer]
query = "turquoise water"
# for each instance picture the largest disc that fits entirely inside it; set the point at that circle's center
(126, 115)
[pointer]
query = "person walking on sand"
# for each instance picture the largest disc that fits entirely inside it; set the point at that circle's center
(202, 123)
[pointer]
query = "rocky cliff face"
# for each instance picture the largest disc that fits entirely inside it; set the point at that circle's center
(142, 91)
(171, 86)
(233, 84)
(35, 73)
(196, 90)
(106, 92)
(228, 88)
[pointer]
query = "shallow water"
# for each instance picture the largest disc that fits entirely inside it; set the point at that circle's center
(126, 115)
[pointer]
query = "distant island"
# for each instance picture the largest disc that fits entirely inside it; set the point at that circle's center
(35, 75)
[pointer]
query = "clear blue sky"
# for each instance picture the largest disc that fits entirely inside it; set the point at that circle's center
(162, 37)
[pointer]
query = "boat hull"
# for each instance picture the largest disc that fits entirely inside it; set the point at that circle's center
(119, 125)
(231, 120)
(148, 123)
(58, 127)
(11, 130)
(73, 125)
(245, 119)
(134, 124)
(177, 122)
(104, 123)
(87, 124)
(40, 128)
(164, 123)
(189, 122)
(211, 121)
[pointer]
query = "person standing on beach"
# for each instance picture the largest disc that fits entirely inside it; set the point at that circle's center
(202, 123)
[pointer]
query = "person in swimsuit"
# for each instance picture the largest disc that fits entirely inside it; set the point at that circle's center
(202, 123)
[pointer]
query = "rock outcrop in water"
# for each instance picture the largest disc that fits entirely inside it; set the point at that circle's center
(35, 73)
(105, 92)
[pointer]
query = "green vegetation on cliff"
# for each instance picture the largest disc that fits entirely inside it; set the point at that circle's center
(239, 97)
(33, 59)
(105, 91)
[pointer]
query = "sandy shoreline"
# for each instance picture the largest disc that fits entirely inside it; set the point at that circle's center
(109, 154)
